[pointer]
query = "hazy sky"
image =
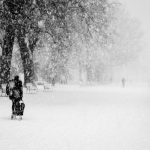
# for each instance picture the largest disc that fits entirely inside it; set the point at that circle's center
(141, 10)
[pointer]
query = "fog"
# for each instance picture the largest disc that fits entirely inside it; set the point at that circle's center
(138, 71)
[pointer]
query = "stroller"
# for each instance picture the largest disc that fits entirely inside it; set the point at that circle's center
(18, 105)
(18, 109)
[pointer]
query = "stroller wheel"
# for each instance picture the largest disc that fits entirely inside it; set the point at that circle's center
(13, 117)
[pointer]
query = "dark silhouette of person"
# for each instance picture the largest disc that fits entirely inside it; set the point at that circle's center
(15, 91)
(17, 96)
(18, 86)
(123, 82)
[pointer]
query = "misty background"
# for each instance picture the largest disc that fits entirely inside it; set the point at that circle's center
(140, 10)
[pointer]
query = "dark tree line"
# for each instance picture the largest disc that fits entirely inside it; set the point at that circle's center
(56, 23)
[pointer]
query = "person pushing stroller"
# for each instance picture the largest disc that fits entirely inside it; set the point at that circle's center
(15, 91)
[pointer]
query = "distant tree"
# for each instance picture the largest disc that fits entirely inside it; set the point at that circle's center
(126, 38)
(118, 43)
(64, 20)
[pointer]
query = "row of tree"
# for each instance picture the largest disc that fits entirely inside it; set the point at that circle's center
(109, 37)
(89, 36)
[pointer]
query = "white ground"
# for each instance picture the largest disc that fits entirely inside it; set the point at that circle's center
(71, 118)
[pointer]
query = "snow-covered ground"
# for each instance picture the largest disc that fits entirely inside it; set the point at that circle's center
(79, 118)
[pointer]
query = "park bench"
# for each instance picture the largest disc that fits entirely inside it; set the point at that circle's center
(30, 88)
(47, 87)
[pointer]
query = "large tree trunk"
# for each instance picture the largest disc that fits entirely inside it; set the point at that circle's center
(80, 72)
(32, 44)
(89, 73)
(7, 54)
(27, 59)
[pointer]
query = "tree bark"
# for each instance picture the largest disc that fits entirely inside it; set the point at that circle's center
(7, 54)
(25, 56)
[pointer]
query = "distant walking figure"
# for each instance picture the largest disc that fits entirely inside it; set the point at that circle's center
(123, 82)
(15, 91)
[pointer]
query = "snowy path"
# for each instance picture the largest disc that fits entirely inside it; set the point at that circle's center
(102, 119)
